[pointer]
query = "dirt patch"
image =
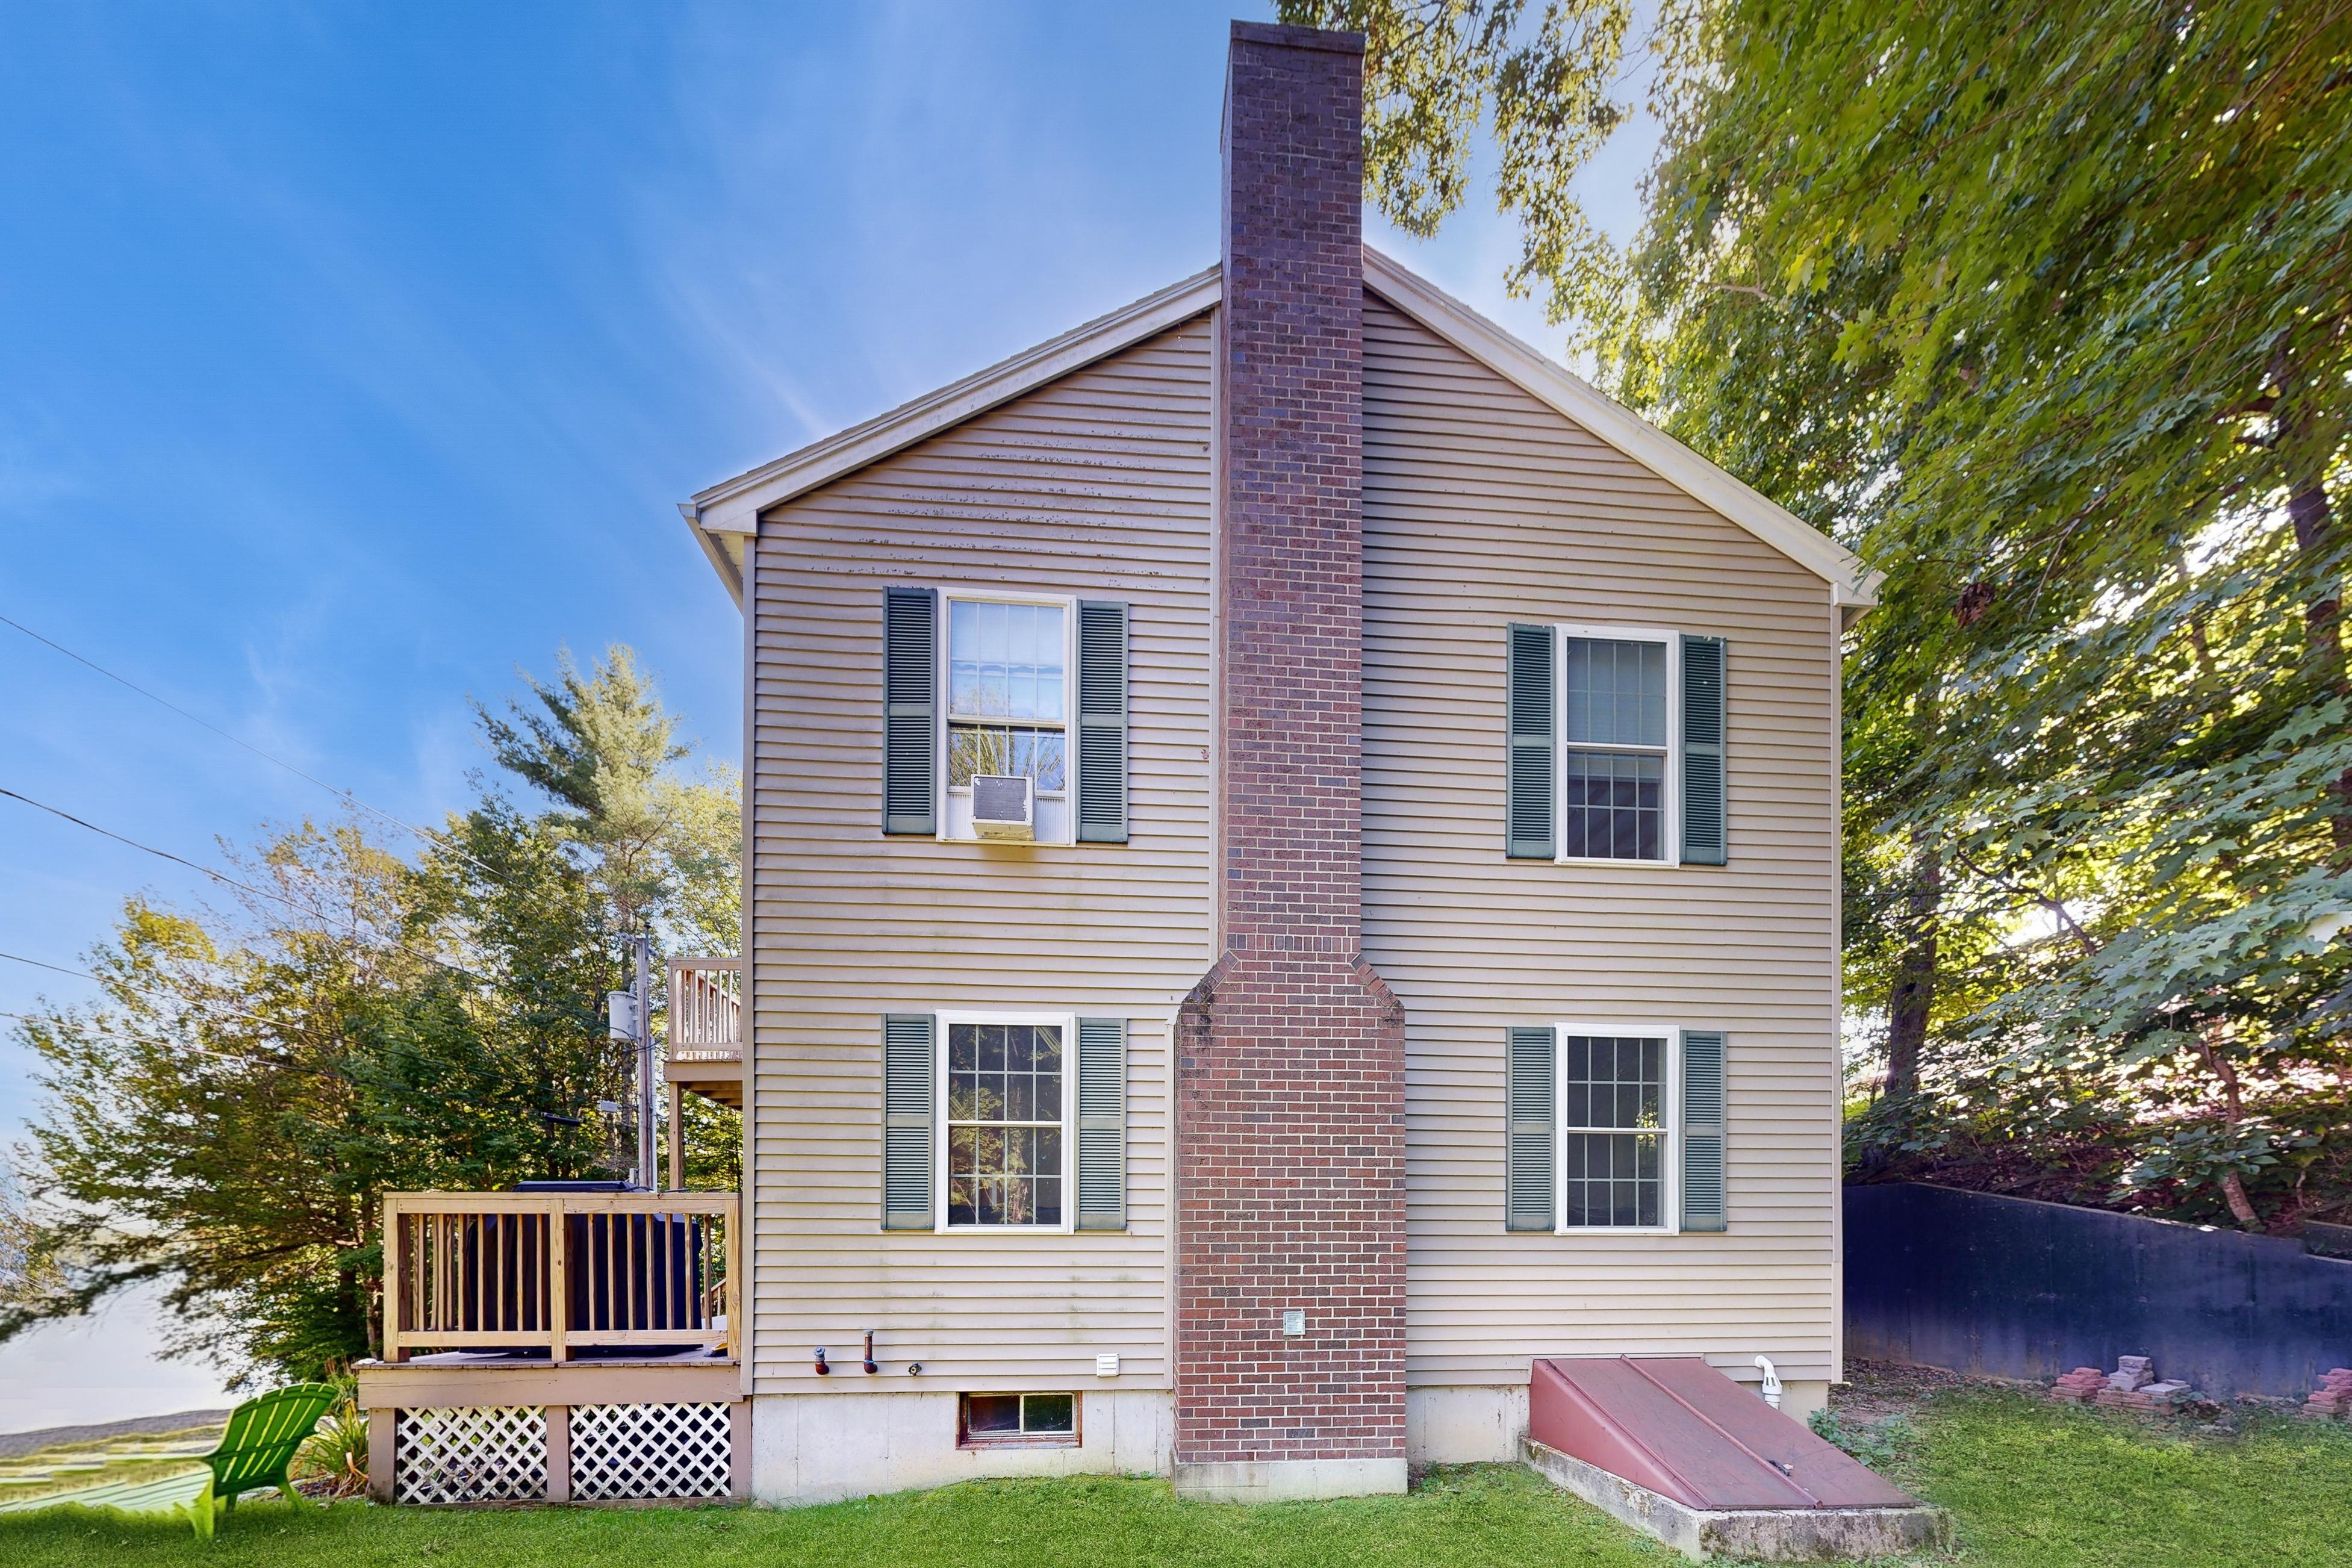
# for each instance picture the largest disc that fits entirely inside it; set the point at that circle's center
(1876, 1390)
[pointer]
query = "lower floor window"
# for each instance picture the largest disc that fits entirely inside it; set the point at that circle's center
(1612, 1130)
(985, 1419)
(1005, 1125)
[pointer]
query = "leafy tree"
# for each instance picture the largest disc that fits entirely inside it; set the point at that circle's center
(2044, 309)
(226, 1120)
(663, 849)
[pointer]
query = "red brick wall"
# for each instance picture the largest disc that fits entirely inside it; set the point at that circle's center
(1290, 1073)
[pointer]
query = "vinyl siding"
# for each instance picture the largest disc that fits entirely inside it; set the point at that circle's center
(1095, 486)
(1482, 507)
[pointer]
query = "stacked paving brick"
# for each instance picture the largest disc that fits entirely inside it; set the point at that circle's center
(2079, 1386)
(2133, 1385)
(2332, 1400)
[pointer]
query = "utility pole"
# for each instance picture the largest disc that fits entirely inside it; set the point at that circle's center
(646, 1165)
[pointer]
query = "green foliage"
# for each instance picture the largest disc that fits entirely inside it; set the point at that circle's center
(337, 1452)
(227, 1117)
(2044, 309)
(662, 850)
(1883, 1446)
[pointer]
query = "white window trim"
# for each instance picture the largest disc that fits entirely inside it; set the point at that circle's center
(1068, 1024)
(1670, 1127)
(1670, 833)
(948, 597)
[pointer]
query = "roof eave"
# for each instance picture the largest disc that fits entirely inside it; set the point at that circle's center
(734, 506)
(1854, 588)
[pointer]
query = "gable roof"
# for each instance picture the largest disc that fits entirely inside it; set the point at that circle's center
(724, 515)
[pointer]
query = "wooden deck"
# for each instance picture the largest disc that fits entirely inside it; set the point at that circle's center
(559, 1347)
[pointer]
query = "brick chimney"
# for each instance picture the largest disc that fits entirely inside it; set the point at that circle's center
(1290, 1233)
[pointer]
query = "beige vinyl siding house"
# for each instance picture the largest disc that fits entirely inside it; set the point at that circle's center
(1094, 485)
(1423, 1079)
(1485, 507)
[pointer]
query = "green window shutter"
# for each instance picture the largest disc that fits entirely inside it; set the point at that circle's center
(1527, 787)
(1527, 1140)
(909, 1069)
(910, 738)
(1702, 1127)
(1704, 830)
(1102, 722)
(1102, 1124)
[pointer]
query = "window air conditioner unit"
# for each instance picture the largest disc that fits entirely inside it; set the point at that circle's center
(1004, 809)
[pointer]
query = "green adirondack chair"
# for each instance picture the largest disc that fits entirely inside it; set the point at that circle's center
(258, 1445)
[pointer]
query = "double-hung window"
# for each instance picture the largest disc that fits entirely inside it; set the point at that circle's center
(1004, 1122)
(1615, 745)
(1614, 781)
(1007, 710)
(979, 684)
(1613, 1127)
(1006, 1112)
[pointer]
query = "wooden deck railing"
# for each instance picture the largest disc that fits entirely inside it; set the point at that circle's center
(706, 1009)
(498, 1270)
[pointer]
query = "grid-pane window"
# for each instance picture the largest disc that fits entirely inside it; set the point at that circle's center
(1613, 772)
(1006, 683)
(1612, 1129)
(1005, 1125)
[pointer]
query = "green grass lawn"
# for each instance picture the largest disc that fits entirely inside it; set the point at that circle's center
(2029, 1485)
(73, 1465)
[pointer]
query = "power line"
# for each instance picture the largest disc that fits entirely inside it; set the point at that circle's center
(231, 882)
(37, 964)
(343, 795)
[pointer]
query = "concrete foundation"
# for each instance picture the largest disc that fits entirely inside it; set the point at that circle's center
(811, 1449)
(1762, 1535)
(1464, 1425)
(1289, 1480)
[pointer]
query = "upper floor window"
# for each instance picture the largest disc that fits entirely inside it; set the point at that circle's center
(1614, 761)
(1614, 745)
(1007, 676)
(995, 684)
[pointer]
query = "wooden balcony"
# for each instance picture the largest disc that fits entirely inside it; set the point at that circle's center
(506, 1314)
(704, 1054)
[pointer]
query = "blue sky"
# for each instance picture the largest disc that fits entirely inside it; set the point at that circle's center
(354, 357)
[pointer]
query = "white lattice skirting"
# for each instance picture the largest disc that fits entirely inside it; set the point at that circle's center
(629, 1452)
(474, 1453)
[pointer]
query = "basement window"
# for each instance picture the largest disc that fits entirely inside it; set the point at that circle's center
(1017, 1421)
